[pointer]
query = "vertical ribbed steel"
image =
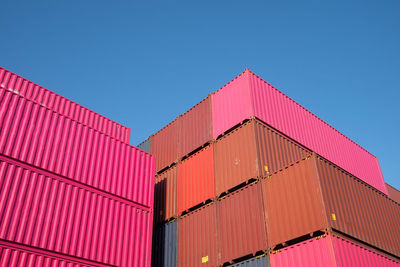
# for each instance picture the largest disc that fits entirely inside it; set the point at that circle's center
(145, 145)
(165, 195)
(254, 262)
(165, 243)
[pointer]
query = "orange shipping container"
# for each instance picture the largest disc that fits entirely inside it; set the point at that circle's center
(165, 197)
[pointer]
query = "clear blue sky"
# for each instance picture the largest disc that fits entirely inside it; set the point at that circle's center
(142, 63)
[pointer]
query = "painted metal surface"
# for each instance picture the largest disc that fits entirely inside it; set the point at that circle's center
(165, 244)
(393, 193)
(17, 255)
(165, 195)
(47, 211)
(248, 95)
(41, 137)
(196, 182)
(42, 96)
(197, 238)
(254, 262)
(164, 145)
(195, 127)
(145, 145)
(241, 227)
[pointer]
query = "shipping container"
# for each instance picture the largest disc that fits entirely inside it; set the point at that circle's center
(251, 151)
(145, 145)
(164, 146)
(43, 138)
(165, 195)
(241, 227)
(330, 251)
(47, 211)
(61, 105)
(196, 179)
(165, 243)
(393, 193)
(314, 195)
(262, 261)
(195, 127)
(248, 95)
(197, 238)
(18, 255)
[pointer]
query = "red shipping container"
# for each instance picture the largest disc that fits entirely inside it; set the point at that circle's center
(165, 195)
(248, 95)
(196, 179)
(47, 211)
(42, 96)
(197, 238)
(241, 226)
(393, 193)
(41, 137)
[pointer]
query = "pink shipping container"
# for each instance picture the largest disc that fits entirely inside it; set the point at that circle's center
(17, 255)
(47, 211)
(41, 137)
(249, 96)
(42, 96)
(330, 251)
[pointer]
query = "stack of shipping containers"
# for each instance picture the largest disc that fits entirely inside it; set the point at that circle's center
(248, 177)
(72, 190)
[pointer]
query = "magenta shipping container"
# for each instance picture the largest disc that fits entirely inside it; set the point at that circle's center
(248, 95)
(43, 210)
(330, 251)
(42, 96)
(41, 137)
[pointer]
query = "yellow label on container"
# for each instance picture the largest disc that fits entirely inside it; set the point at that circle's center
(204, 259)
(266, 168)
(334, 216)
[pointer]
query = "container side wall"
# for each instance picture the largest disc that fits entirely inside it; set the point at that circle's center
(165, 245)
(197, 238)
(164, 145)
(42, 96)
(196, 179)
(165, 195)
(293, 203)
(254, 262)
(231, 105)
(282, 113)
(195, 127)
(393, 193)
(145, 145)
(241, 224)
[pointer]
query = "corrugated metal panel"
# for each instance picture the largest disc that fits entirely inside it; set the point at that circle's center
(195, 127)
(165, 205)
(27, 89)
(145, 145)
(196, 179)
(236, 158)
(293, 203)
(41, 137)
(254, 262)
(349, 253)
(315, 252)
(43, 210)
(393, 193)
(287, 116)
(165, 245)
(12, 254)
(197, 238)
(360, 210)
(231, 105)
(241, 224)
(164, 145)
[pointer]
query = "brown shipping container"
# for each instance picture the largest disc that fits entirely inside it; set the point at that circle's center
(251, 151)
(314, 195)
(165, 197)
(197, 238)
(393, 193)
(164, 145)
(241, 227)
(195, 127)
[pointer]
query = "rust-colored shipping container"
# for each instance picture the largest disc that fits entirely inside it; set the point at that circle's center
(195, 127)
(165, 195)
(315, 195)
(241, 227)
(197, 238)
(196, 179)
(393, 193)
(250, 151)
(164, 145)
